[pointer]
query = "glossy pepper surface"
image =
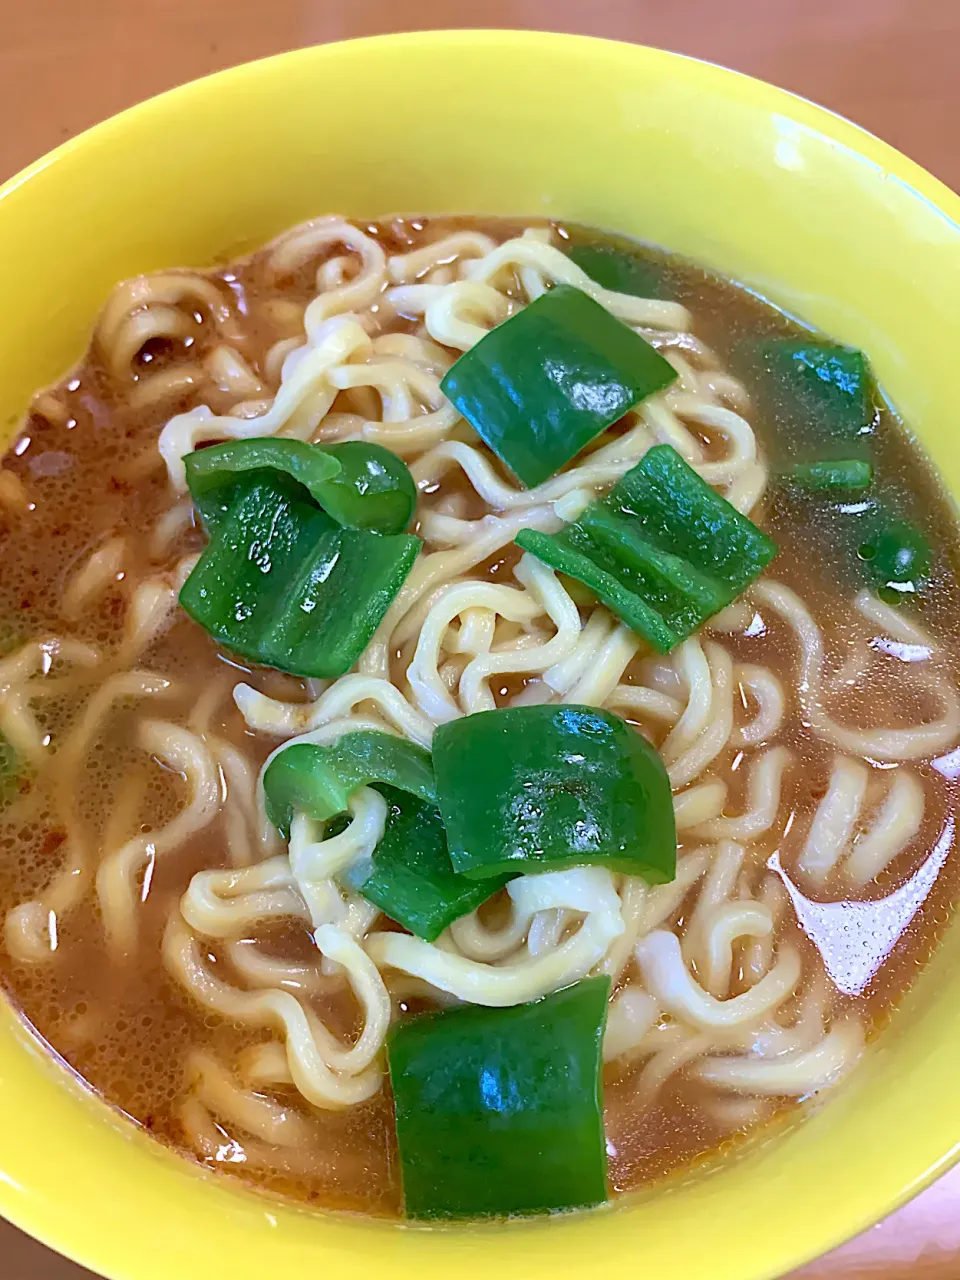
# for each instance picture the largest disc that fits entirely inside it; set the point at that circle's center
(818, 395)
(896, 557)
(336, 599)
(499, 1111)
(242, 576)
(620, 270)
(410, 876)
(372, 490)
(283, 584)
(362, 486)
(663, 550)
(541, 385)
(319, 780)
(214, 473)
(542, 788)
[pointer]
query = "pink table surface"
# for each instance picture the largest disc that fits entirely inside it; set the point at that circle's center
(891, 65)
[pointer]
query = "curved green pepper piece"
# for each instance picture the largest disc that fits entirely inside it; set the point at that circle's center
(542, 384)
(817, 395)
(499, 1111)
(897, 559)
(362, 486)
(662, 549)
(372, 490)
(543, 788)
(319, 781)
(283, 584)
(410, 877)
(212, 473)
(844, 474)
(621, 270)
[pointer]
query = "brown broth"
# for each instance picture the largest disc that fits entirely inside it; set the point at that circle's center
(87, 461)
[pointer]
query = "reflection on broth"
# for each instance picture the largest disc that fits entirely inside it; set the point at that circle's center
(232, 989)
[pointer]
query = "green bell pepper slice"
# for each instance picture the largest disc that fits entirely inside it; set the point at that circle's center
(674, 507)
(362, 486)
(819, 396)
(862, 537)
(213, 472)
(848, 474)
(319, 780)
(282, 584)
(373, 489)
(410, 876)
(541, 385)
(621, 271)
(336, 600)
(663, 550)
(499, 1111)
(896, 558)
(544, 788)
(242, 576)
(573, 554)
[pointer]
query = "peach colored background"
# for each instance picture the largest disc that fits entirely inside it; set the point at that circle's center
(891, 65)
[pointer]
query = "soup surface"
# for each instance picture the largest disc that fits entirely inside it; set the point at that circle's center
(809, 730)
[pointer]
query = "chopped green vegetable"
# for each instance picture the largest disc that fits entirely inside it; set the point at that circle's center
(673, 506)
(336, 601)
(662, 549)
(499, 1111)
(620, 270)
(410, 876)
(362, 486)
(845, 473)
(861, 538)
(562, 552)
(319, 780)
(281, 583)
(240, 580)
(820, 397)
(542, 788)
(373, 489)
(213, 472)
(896, 557)
(541, 385)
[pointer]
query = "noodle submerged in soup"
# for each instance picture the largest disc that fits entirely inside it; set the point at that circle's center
(232, 988)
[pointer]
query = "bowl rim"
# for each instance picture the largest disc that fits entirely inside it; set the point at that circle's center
(869, 144)
(22, 1211)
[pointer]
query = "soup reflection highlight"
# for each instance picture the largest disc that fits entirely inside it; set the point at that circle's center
(232, 988)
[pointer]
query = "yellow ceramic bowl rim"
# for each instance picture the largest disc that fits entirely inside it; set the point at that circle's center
(75, 1176)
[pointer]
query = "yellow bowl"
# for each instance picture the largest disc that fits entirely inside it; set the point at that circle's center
(820, 217)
